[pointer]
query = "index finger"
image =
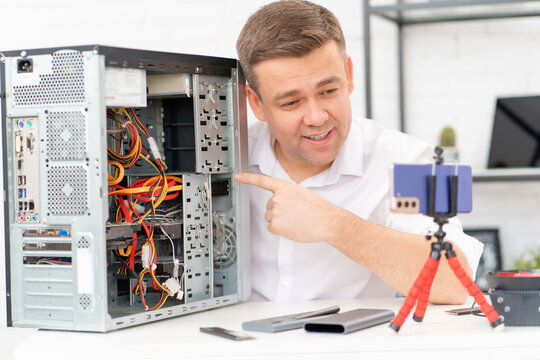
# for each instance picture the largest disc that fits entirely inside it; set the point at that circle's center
(262, 181)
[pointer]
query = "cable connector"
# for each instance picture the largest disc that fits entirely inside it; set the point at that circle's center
(173, 285)
(154, 148)
(144, 256)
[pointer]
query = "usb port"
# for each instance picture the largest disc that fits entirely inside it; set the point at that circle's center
(22, 193)
(21, 206)
(22, 179)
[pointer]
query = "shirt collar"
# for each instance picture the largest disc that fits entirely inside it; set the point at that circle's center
(263, 151)
(349, 160)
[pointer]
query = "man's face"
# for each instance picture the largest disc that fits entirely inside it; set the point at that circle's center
(305, 101)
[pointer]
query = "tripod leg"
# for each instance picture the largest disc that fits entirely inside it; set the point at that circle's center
(429, 267)
(493, 317)
(423, 299)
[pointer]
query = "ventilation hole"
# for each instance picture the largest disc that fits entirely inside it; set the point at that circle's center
(67, 190)
(66, 135)
(85, 301)
(83, 243)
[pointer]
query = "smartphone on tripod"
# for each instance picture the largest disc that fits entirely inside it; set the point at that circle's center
(410, 187)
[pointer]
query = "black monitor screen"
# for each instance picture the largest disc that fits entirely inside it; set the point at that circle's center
(515, 141)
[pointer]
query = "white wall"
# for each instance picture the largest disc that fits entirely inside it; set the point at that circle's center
(206, 27)
(514, 208)
(453, 72)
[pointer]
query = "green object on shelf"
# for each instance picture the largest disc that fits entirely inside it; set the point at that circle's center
(447, 138)
(530, 259)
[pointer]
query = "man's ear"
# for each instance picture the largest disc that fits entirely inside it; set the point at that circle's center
(349, 72)
(255, 103)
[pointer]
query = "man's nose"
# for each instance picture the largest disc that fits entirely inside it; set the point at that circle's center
(316, 114)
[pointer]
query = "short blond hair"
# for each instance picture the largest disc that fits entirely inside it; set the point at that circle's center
(285, 28)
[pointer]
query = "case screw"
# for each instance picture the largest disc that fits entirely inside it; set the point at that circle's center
(500, 300)
(507, 309)
(23, 54)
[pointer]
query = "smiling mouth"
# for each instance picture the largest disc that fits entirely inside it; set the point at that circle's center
(318, 137)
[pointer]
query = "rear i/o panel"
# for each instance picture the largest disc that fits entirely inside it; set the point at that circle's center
(121, 204)
(26, 169)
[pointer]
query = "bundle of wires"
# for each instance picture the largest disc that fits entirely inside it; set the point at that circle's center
(150, 191)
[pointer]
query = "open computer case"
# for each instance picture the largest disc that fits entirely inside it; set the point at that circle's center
(120, 202)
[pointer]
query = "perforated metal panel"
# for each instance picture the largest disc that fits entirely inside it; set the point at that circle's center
(83, 243)
(64, 86)
(85, 301)
(67, 190)
(66, 135)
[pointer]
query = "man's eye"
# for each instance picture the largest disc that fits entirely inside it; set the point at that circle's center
(329, 91)
(289, 104)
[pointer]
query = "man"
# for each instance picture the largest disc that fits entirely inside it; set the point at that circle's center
(321, 224)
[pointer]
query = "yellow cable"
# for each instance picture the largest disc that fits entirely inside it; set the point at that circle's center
(118, 175)
(163, 303)
(144, 189)
(125, 252)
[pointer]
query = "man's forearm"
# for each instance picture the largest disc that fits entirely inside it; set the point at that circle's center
(396, 257)
(299, 214)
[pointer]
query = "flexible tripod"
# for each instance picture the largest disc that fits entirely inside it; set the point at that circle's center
(422, 285)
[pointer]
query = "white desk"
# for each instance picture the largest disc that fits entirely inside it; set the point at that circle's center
(440, 336)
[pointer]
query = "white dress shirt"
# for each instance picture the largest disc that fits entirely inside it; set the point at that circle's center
(357, 181)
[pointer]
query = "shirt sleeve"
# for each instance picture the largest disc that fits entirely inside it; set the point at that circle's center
(424, 225)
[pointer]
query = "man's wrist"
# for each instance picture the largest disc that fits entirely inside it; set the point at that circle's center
(345, 227)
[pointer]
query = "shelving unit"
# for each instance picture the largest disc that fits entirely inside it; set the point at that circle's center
(515, 174)
(405, 13)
